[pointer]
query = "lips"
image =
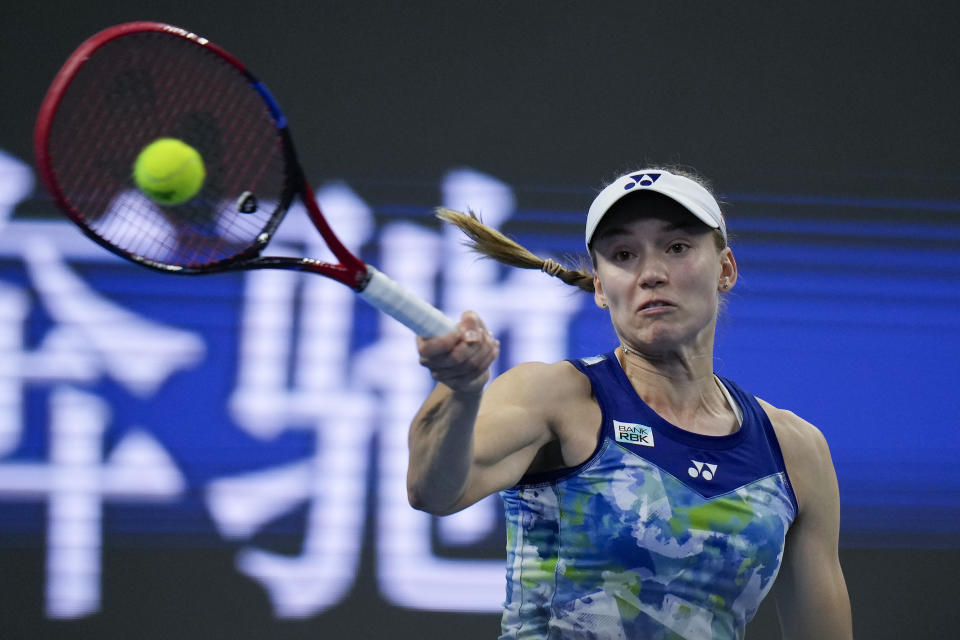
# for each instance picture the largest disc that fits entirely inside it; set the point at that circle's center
(653, 305)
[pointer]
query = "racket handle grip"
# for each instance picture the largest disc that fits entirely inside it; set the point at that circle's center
(420, 316)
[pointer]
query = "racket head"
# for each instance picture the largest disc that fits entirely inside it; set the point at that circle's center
(134, 83)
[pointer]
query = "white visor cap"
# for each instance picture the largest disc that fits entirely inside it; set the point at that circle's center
(686, 192)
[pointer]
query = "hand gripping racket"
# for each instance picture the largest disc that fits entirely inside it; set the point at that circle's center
(134, 83)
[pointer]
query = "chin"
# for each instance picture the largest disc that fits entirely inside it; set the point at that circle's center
(658, 342)
(662, 339)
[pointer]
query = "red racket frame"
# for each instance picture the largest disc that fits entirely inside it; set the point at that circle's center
(351, 270)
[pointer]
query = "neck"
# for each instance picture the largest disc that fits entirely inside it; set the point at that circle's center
(679, 370)
(681, 388)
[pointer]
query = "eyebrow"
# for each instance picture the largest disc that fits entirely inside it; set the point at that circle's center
(684, 225)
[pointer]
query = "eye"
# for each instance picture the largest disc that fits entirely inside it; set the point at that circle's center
(678, 247)
(621, 255)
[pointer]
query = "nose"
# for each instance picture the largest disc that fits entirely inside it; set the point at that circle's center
(653, 273)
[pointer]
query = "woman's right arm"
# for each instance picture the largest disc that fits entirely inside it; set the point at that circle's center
(467, 442)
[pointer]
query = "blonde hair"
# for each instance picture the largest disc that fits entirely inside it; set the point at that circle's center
(493, 244)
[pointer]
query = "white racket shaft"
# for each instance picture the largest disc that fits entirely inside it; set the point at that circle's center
(412, 311)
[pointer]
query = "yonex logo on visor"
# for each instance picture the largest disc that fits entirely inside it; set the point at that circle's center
(642, 179)
(688, 193)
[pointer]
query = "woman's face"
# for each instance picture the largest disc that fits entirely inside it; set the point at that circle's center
(659, 270)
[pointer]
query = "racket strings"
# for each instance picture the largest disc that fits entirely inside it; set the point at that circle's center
(143, 86)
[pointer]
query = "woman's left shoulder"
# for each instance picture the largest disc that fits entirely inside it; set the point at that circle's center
(792, 430)
(804, 448)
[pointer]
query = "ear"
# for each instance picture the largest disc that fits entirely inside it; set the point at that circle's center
(728, 270)
(598, 295)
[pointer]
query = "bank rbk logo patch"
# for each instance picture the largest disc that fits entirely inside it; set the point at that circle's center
(630, 433)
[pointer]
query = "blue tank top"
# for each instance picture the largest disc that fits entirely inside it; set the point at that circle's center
(661, 533)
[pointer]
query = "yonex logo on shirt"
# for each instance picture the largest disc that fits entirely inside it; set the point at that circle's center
(630, 433)
(704, 470)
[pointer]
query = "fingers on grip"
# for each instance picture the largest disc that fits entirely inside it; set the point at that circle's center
(461, 359)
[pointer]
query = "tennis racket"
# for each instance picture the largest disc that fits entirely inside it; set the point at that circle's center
(134, 83)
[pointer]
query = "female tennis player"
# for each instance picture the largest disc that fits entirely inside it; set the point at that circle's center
(645, 496)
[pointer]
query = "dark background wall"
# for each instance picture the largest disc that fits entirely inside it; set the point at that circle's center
(820, 96)
(830, 129)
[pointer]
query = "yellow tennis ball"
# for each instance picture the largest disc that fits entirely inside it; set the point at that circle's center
(169, 171)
